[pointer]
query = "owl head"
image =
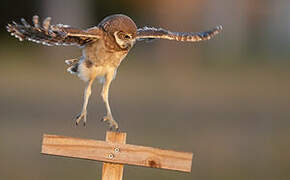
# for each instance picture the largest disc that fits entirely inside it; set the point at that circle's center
(121, 29)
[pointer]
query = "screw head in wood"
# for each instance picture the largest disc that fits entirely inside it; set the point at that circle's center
(111, 156)
(116, 149)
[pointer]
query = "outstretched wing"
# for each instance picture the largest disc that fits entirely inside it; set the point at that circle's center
(146, 33)
(50, 35)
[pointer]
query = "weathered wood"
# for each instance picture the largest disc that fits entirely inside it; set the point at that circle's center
(114, 171)
(116, 153)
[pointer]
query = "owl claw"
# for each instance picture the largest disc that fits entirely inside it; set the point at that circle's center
(111, 122)
(80, 116)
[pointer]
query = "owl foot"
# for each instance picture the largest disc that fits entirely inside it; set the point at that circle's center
(111, 122)
(80, 116)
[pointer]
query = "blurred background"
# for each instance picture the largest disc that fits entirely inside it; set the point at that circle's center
(227, 100)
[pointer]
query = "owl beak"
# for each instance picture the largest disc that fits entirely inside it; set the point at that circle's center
(132, 43)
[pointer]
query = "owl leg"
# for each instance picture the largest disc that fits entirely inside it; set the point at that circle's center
(87, 94)
(105, 93)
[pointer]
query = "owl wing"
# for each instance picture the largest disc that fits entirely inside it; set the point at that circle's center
(148, 33)
(50, 35)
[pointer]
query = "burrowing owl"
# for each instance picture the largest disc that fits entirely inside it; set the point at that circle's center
(103, 48)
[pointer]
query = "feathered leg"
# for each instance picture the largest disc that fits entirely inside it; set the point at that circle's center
(87, 94)
(105, 93)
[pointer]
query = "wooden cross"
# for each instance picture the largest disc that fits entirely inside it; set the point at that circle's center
(114, 152)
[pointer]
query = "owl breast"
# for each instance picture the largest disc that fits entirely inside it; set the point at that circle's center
(101, 55)
(98, 60)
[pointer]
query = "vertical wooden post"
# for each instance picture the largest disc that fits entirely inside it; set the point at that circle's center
(114, 171)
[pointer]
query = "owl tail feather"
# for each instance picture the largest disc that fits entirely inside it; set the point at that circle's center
(73, 65)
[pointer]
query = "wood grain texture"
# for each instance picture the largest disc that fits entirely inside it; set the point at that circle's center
(127, 154)
(114, 171)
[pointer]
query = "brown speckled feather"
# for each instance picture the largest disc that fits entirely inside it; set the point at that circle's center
(50, 35)
(153, 33)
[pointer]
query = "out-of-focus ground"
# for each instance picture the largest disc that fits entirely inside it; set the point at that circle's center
(226, 100)
(234, 119)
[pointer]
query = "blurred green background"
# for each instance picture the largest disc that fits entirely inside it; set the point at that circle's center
(226, 100)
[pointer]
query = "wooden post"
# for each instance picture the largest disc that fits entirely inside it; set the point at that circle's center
(114, 171)
(114, 152)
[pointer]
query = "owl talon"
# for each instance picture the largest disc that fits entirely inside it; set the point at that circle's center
(111, 122)
(80, 116)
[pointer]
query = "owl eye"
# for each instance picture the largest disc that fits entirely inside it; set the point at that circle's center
(127, 36)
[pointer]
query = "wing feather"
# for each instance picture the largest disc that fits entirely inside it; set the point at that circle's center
(50, 35)
(159, 33)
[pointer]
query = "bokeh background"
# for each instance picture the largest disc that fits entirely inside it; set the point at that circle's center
(226, 100)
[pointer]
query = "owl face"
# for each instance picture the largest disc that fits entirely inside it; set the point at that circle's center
(124, 40)
(122, 30)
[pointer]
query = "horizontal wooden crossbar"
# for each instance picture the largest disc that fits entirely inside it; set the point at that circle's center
(116, 153)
